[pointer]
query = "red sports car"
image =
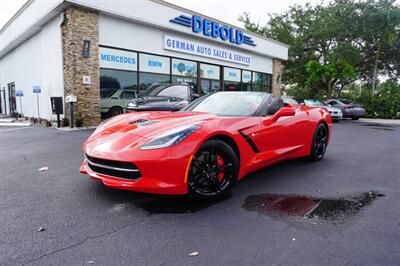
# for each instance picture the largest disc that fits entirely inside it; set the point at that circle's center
(206, 147)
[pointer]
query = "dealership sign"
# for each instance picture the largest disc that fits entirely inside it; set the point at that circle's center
(213, 29)
(117, 59)
(200, 49)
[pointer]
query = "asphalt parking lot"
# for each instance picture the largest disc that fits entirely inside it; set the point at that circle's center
(343, 210)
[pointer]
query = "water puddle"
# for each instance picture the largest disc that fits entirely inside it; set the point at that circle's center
(382, 128)
(377, 125)
(310, 208)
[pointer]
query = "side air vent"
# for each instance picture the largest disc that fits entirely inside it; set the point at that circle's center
(250, 142)
(143, 122)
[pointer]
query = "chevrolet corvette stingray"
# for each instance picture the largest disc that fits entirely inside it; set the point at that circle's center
(204, 149)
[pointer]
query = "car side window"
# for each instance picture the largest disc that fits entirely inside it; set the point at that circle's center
(129, 95)
(332, 102)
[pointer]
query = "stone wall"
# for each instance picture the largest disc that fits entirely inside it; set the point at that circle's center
(80, 25)
(277, 68)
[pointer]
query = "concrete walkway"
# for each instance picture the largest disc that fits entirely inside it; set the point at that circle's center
(7, 122)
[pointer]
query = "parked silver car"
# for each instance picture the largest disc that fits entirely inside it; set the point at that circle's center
(349, 108)
(335, 113)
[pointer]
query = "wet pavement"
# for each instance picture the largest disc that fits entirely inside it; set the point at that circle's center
(343, 210)
(309, 208)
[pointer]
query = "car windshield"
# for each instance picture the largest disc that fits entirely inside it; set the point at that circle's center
(346, 101)
(177, 91)
(312, 102)
(229, 103)
(290, 100)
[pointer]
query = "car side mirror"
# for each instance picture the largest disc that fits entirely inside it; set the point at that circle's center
(195, 96)
(284, 111)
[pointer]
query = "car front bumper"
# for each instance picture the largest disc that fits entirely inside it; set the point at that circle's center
(165, 175)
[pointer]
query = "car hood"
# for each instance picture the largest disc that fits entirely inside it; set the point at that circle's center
(127, 130)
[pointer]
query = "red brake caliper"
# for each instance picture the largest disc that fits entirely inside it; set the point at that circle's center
(220, 162)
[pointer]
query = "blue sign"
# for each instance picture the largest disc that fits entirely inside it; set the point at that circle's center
(19, 93)
(36, 89)
(214, 29)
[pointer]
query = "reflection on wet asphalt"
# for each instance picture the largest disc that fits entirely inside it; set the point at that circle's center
(382, 128)
(310, 208)
(377, 125)
(177, 204)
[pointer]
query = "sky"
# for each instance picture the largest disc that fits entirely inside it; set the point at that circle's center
(225, 10)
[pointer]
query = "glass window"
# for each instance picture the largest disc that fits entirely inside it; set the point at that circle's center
(154, 64)
(231, 86)
(188, 80)
(114, 80)
(246, 80)
(184, 68)
(175, 91)
(209, 71)
(209, 86)
(147, 79)
(257, 81)
(231, 74)
(266, 81)
(117, 59)
(128, 95)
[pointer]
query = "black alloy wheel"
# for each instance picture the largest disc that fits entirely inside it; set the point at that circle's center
(319, 143)
(213, 171)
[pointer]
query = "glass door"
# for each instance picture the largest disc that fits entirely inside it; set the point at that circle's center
(12, 98)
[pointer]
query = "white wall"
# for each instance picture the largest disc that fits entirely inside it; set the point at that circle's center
(125, 34)
(37, 62)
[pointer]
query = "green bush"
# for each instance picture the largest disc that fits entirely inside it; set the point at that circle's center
(384, 104)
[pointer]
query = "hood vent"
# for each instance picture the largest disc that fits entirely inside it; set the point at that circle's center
(143, 122)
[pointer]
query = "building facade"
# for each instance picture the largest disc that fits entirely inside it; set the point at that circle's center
(92, 49)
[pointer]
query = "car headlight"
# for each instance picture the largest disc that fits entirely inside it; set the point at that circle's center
(181, 104)
(170, 138)
(132, 104)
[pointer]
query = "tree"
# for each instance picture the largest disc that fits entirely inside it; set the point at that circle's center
(331, 46)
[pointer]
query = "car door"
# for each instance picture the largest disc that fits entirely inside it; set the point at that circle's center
(278, 140)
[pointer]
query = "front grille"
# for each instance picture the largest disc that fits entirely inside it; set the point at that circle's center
(125, 170)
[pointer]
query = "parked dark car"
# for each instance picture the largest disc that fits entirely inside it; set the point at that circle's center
(349, 108)
(336, 113)
(163, 97)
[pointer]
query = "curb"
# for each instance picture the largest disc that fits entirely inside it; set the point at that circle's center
(14, 124)
(74, 129)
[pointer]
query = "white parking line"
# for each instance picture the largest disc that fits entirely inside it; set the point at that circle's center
(12, 129)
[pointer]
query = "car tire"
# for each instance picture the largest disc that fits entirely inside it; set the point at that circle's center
(115, 110)
(355, 118)
(213, 171)
(319, 143)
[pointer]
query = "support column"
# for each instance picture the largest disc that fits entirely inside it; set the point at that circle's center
(82, 25)
(277, 68)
